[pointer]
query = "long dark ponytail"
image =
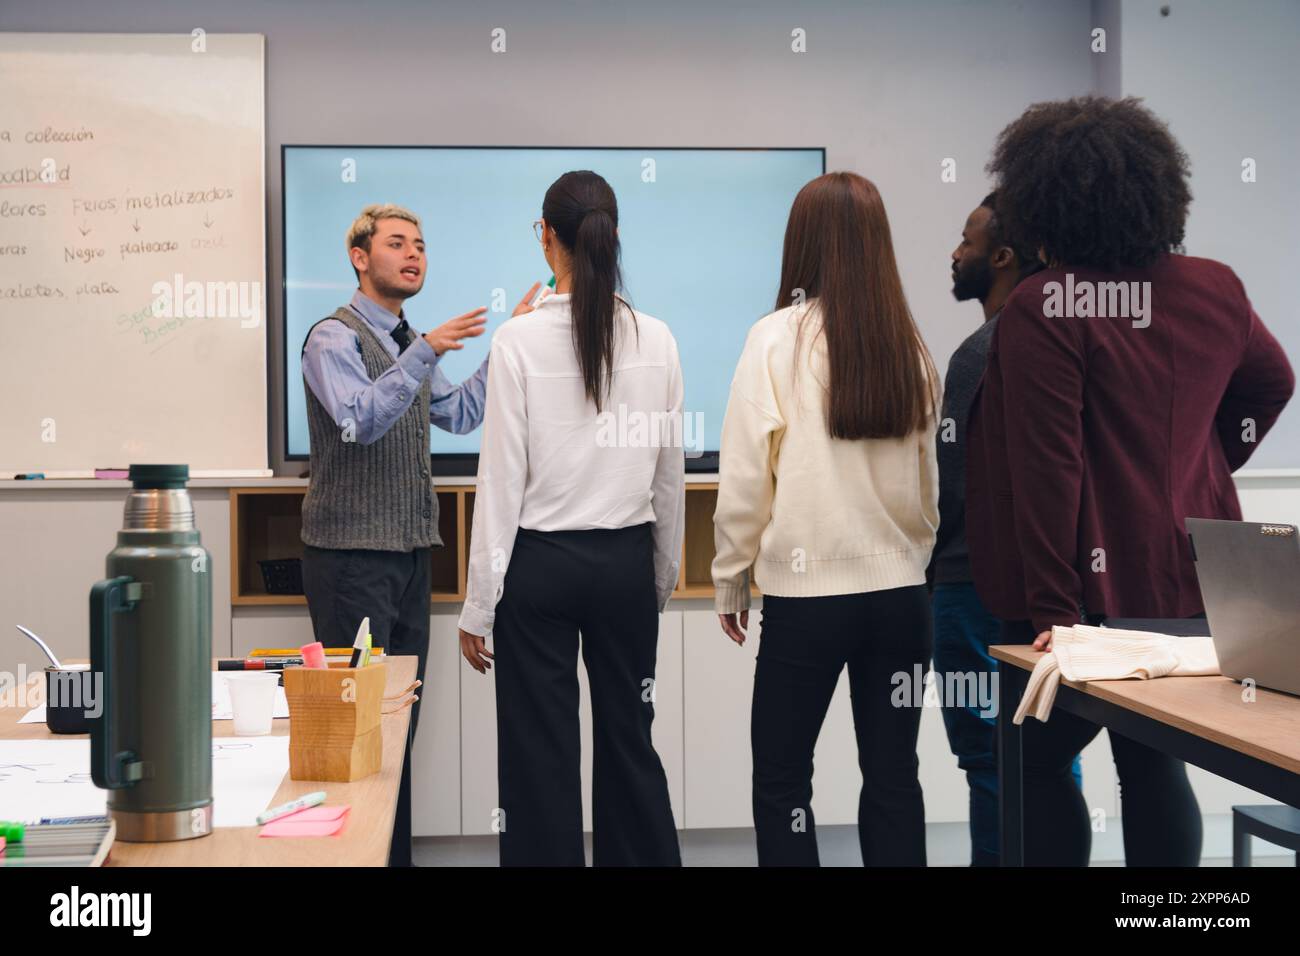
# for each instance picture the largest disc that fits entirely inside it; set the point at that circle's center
(582, 210)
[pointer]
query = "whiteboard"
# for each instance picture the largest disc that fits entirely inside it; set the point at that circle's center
(132, 251)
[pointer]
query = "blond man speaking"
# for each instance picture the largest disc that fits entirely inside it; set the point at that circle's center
(370, 516)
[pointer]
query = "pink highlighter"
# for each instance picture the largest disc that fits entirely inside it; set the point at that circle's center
(313, 655)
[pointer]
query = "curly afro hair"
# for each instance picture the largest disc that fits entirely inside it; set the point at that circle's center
(1091, 181)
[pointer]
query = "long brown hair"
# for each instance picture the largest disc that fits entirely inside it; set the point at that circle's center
(581, 208)
(838, 250)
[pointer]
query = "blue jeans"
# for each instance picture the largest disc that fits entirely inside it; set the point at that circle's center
(963, 631)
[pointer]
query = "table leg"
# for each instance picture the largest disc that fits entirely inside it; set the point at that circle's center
(1011, 684)
(401, 849)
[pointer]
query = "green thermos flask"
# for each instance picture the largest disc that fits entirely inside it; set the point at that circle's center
(151, 646)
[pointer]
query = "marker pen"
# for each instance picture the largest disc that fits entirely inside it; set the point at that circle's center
(257, 665)
(359, 645)
(542, 292)
(293, 806)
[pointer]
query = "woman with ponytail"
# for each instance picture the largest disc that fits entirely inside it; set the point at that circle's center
(828, 489)
(578, 531)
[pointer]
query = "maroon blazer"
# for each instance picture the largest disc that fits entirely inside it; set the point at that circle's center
(1092, 440)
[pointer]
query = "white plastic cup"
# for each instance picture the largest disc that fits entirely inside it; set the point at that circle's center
(252, 701)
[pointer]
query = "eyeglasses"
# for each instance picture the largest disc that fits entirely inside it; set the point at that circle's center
(538, 227)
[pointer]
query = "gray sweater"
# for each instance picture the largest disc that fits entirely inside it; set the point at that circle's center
(951, 561)
(376, 497)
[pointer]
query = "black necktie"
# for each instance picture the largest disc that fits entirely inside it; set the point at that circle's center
(403, 335)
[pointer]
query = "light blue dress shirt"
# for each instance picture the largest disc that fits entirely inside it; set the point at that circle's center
(337, 376)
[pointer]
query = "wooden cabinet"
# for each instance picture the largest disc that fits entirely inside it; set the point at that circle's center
(266, 524)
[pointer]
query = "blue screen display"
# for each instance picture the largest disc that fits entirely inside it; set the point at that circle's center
(701, 231)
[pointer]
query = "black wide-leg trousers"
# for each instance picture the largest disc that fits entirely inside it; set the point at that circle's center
(563, 590)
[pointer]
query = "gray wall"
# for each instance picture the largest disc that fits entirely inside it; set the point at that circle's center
(889, 88)
(1107, 71)
(1224, 76)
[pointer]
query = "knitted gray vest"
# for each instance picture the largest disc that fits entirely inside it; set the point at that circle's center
(378, 497)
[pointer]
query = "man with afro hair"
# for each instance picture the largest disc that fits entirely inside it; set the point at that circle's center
(1126, 382)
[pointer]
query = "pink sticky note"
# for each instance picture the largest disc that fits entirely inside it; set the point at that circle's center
(311, 822)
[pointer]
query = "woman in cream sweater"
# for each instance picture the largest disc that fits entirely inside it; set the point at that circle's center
(829, 492)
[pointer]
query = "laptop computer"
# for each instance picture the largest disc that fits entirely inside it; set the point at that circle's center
(1250, 584)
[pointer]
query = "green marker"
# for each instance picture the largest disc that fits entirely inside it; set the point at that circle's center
(542, 294)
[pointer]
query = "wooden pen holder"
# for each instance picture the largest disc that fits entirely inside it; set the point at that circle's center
(335, 731)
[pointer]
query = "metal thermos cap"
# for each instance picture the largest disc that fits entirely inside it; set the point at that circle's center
(158, 500)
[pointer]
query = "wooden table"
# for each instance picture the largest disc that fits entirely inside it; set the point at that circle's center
(365, 838)
(1200, 720)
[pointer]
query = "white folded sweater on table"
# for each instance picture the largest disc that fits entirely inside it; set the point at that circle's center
(1084, 653)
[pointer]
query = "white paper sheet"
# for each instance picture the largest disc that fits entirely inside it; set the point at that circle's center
(51, 778)
(47, 778)
(246, 772)
(220, 704)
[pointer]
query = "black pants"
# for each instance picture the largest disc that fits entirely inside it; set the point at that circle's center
(392, 588)
(805, 643)
(1162, 821)
(600, 584)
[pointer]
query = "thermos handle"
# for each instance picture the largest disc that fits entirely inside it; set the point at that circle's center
(111, 766)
